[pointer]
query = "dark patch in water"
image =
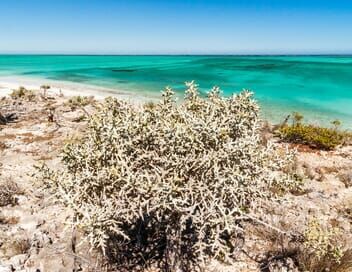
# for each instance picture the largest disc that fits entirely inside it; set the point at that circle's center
(268, 66)
(124, 70)
(31, 73)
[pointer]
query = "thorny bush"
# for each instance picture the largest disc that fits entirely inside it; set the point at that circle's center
(168, 183)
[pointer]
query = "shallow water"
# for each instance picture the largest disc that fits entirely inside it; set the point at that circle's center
(320, 87)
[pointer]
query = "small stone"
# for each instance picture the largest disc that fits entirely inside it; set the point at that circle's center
(5, 268)
(21, 199)
(18, 260)
(346, 178)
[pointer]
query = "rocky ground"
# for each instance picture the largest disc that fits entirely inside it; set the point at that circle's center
(34, 230)
(35, 234)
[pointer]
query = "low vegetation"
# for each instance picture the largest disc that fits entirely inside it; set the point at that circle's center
(79, 101)
(314, 136)
(8, 192)
(45, 89)
(23, 93)
(322, 247)
(345, 176)
(7, 118)
(168, 184)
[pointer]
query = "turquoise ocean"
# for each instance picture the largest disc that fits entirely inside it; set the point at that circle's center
(320, 87)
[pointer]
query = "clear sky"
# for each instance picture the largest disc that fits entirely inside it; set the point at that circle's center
(176, 27)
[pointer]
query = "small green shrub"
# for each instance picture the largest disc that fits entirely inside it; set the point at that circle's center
(323, 248)
(79, 101)
(311, 135)
(322, 241)
(297, 117)
(23, 93)
(168, 183)
(318, 247)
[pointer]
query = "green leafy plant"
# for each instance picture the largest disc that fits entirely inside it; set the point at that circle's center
(168, 183)
(311, 135)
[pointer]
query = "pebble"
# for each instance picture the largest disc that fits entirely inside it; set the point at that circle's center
(4, 268)
(18, 260)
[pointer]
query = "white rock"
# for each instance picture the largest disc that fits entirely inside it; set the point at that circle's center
(18, 260)
(5, 268)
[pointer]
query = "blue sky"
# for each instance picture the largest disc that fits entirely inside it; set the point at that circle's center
(176, 27)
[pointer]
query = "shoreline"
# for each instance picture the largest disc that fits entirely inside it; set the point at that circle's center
(9, 83)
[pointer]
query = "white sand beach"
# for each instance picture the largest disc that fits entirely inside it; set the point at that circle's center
(9, 83)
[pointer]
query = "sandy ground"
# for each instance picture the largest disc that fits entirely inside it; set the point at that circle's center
(35, 231)
(9, 83)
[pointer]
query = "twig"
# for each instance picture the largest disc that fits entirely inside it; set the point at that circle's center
(267, 225)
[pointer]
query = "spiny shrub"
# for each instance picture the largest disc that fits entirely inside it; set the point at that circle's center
(23, 93)
(169, 183)
(311, 135)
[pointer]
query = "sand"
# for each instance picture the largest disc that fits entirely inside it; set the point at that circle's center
(9, 83)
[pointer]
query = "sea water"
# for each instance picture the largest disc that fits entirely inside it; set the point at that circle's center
(319, 87)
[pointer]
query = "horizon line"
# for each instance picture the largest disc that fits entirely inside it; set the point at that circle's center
(176, 54)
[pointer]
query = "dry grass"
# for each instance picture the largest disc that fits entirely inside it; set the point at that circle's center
(345, 176)
(12, 220)
(318, 249)
(21, 245)
(30, 138)
(3, 146)
(345, 264)
(23, 93)
(79, 101)
(8, 191)
(7, 137)
(44, 157)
